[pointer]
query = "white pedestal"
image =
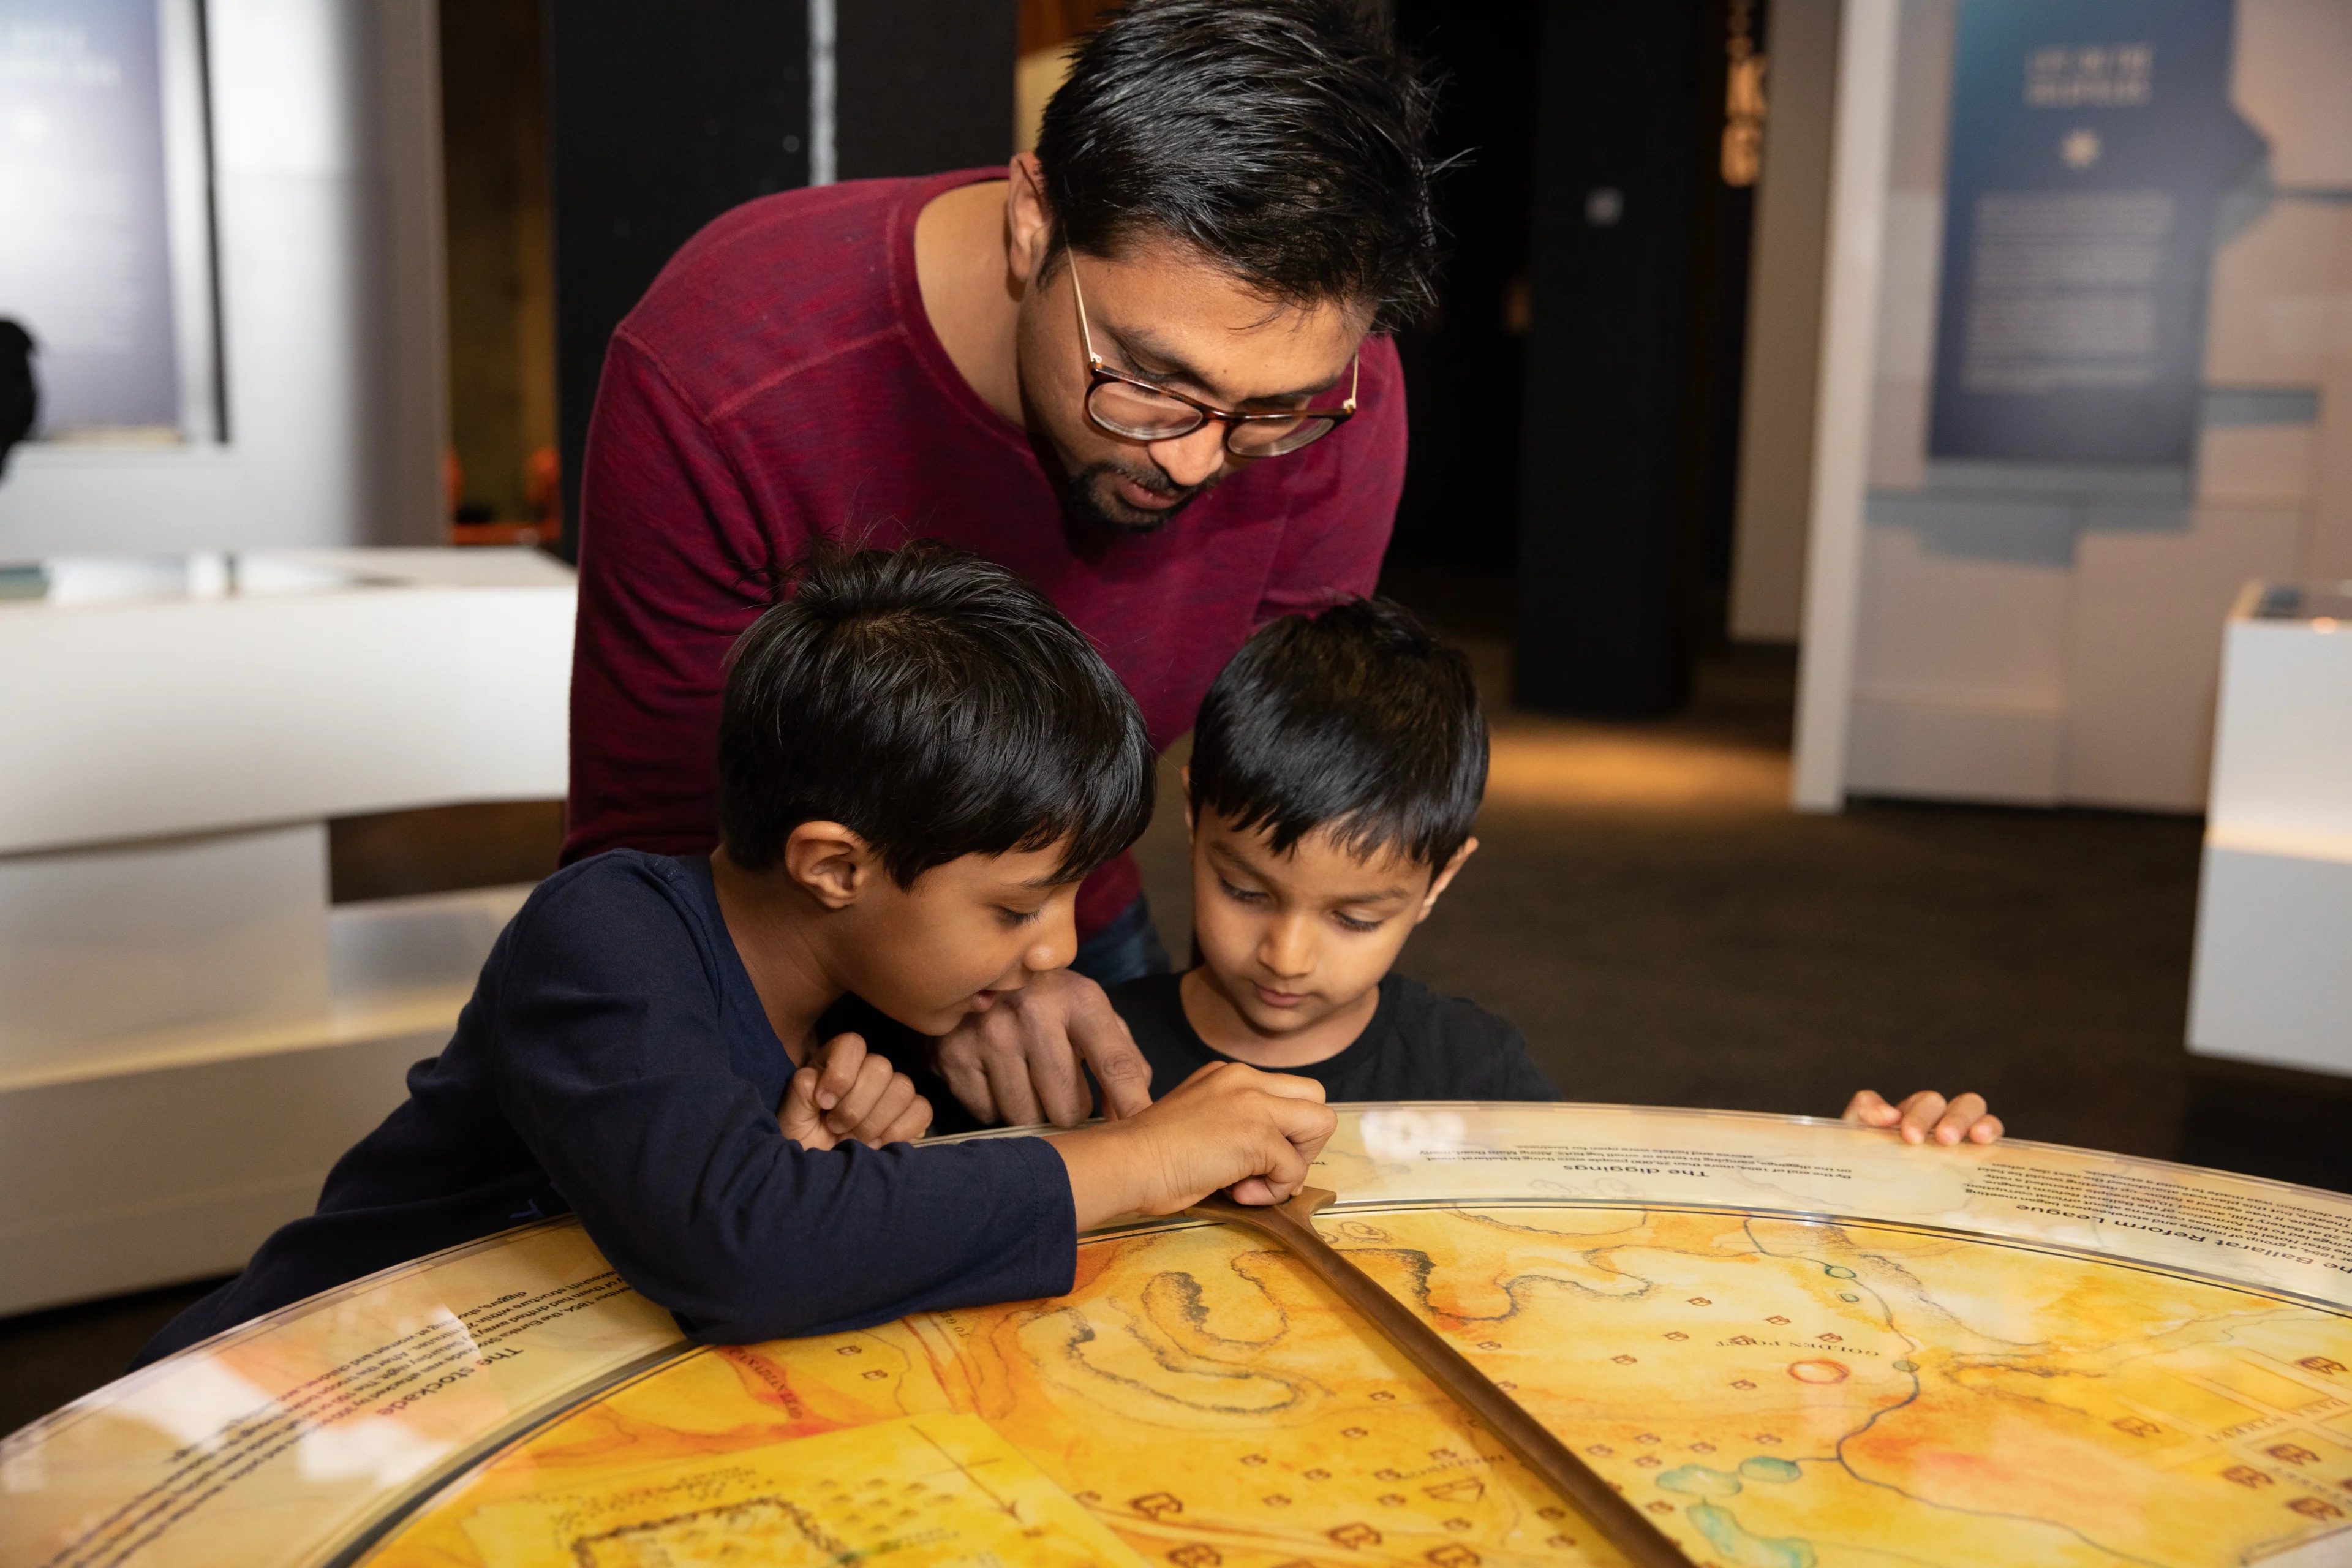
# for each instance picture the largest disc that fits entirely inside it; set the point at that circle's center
(189, 1035)
(2273, 968)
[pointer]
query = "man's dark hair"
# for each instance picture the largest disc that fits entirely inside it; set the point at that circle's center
(934, 704)
(1357, 720)
(1286, 139)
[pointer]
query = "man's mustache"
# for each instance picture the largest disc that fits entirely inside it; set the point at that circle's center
(1159, 484)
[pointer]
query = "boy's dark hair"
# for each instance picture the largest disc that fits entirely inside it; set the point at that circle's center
(1286, 139)
(936, 705)
(1358, 720)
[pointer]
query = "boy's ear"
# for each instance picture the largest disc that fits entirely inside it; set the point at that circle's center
(1439, 883)
(829, 862)
(1185, 773)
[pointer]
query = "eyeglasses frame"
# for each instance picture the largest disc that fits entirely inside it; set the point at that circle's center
(1097, 373)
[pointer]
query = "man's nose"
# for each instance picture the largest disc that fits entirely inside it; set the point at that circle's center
(1192, 459)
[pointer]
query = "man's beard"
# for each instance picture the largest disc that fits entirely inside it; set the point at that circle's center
(1093, 504)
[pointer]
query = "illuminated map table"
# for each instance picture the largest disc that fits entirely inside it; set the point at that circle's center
(1791, 1343)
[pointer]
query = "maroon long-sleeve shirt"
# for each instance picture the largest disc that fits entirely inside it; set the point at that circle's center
(780, 381)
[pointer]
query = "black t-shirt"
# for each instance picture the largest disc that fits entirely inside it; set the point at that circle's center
(1419, 1045)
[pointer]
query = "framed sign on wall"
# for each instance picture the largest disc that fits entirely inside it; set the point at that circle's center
(2090, 146)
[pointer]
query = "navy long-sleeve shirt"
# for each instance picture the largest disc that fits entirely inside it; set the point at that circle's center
(616, 1062)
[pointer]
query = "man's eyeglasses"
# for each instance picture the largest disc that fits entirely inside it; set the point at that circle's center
(1125, 405)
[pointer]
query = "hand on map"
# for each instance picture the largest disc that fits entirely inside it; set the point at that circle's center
(1927, 1116)
(1227, 1126)
(845, 1093)
(1026, 1059)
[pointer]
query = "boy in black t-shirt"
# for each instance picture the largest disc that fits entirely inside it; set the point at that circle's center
(1337, 763)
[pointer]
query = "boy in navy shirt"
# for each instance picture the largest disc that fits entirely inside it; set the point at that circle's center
(1336, 765)
(918, 761)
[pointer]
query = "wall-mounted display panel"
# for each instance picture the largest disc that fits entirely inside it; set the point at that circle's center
(105, 210)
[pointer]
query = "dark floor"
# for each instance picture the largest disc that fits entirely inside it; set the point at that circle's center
(1668, 932)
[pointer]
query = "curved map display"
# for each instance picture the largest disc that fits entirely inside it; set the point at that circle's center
(1790, 1343)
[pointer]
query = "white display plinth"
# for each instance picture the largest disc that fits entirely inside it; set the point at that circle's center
(2273, 969)
(189, 1035)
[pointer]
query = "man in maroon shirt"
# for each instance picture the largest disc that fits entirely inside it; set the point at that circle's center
(1140, 368)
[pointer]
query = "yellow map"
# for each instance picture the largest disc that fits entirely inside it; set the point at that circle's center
(910, 1493)
(1779, 1392)
(1793, 1345)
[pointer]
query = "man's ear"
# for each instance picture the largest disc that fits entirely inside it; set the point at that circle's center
(1029, 222)
(830, 863)
(1445, 878)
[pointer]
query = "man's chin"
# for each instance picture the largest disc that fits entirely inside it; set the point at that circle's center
(1095, 503)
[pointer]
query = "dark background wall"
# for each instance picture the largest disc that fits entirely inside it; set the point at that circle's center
(924, 85)
(1464, 366)
(501, 288)
(1639, 264)
(664, 117)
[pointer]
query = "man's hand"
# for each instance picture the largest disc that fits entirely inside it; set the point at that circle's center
(845, 1093)
(1226, 1126)
(1019, 1062)
(1926, 1115)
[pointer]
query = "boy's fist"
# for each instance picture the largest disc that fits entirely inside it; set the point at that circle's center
(1926, 1115)
(845, 1093)
(1227, 1126)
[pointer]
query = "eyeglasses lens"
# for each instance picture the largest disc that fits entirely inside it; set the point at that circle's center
(1141, 414)
(1273, 438)
(1145, 415)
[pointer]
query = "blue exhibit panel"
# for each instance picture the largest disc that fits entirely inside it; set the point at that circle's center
(2091, 140)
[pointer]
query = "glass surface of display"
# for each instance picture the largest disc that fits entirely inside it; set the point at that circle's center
(1789, 1341)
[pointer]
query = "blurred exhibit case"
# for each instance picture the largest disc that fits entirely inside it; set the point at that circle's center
(220, 220)
(2274, 972)
(2087, 369)
(189, 1034)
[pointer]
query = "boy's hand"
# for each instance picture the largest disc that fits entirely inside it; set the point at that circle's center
(845, 1093)
(1226, 1126)
(1018, 1063)
(1926, 1115)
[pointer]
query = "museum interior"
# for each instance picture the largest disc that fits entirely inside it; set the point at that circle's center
(1888, 462)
